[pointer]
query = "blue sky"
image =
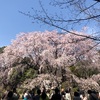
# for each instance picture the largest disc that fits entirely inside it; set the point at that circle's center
(12, 22)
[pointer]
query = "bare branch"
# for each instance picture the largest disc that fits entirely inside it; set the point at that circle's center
(54, 25)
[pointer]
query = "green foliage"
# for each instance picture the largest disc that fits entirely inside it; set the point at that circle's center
(83, 72)
(21, 90)
(1, 49)
(29, 73)
(93, 71)
(65, 84)
(2, 91)
(17, 78)
(75, 89)
(14, 73)
(72, 68)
